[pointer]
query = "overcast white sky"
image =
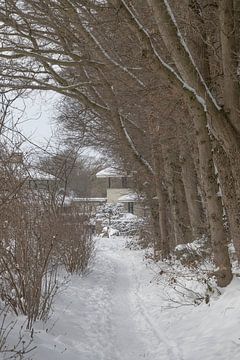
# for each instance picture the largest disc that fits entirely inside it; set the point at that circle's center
(37, 122)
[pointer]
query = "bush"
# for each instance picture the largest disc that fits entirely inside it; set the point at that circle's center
(14, 344)
(194, 253)
(36, 236)
(114, 217)
(28, 274)
(75, 245)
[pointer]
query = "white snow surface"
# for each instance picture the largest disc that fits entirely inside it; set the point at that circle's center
(68, 200)
(118, 312)
(37, 174)
(130, 197)
(110, 172)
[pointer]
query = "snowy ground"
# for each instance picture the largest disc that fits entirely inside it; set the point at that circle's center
(118, 313)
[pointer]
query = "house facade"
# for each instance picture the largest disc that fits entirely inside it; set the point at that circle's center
(118, 190)
(117, 183)
(40, 180)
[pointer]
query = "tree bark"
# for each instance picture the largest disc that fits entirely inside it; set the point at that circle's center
(190, 182)
(176, 193)
(213, 204)
(157, 158)
(229, 61)
(217, 119)
(230, 200)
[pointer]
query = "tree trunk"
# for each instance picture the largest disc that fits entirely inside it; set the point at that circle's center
(229, 62)
(190, 179)
(218, 121)
(230, 201)
(176, 193)
(213, 204)
(154, 210)
(157, 159)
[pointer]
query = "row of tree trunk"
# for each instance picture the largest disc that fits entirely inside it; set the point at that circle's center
(157, 87)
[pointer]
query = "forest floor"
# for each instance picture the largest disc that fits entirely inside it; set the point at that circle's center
(120, 312)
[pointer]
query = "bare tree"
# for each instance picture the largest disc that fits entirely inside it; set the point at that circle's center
(69, 47)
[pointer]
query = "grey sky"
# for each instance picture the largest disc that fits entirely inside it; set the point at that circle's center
(37, 122)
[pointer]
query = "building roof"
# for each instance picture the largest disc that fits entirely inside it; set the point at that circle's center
(36, 174)
(130, 197)
(110, 172)
(71, 200)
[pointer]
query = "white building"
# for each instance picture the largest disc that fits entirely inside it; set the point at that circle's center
(118, 184)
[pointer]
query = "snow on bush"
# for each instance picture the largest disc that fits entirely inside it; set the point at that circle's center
(15, 342)
(184, 285)
(112, 219)
(194, 253)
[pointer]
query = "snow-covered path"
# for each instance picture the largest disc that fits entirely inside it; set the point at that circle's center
(115, 313)
(103, 316)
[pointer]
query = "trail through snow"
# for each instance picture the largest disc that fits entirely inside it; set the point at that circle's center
(116, 313)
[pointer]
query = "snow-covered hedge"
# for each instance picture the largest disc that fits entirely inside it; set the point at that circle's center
(112, 219)
(185, 286)
(194, 253)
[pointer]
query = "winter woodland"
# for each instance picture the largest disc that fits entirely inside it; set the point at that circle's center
(152, 88)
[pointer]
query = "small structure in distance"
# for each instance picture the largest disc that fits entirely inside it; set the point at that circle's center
(119, 190)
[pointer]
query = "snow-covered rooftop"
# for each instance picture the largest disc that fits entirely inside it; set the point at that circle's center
(130, 197)
(36, 174)
(110, 172)
(71, 200)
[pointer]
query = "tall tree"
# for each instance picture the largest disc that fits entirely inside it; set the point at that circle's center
(108, 57)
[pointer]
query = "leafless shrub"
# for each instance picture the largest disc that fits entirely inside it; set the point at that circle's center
(184, 286)
(35, 237)
(21, 347)
(112, 218)
(75, 247)
(28, 275)
(146, 236)
(27, 235)
(195, 253)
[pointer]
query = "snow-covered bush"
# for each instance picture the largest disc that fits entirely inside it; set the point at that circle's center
(186, 286)
(112, 218)
(194, 253)
(188, 276)
(15, 344)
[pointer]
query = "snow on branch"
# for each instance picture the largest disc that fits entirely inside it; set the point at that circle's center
(133, 147)
(184, 44)
(169, 70)
(113, 61)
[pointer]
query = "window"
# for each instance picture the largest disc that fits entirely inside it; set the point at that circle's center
(124, 182)
(130, 207)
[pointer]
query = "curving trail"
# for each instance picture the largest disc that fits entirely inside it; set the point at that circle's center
(103, 316)
(117, 312)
